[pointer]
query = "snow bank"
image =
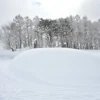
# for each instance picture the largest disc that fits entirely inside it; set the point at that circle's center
(59, 67)
(7, 54)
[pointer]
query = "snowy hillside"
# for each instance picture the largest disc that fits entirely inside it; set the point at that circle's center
(50, 74)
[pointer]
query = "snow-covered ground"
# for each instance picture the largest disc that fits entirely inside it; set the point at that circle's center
(50, 74)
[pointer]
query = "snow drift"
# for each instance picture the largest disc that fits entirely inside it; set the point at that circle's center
(58, 67)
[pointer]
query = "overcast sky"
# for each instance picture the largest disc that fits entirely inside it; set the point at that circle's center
(48, 8)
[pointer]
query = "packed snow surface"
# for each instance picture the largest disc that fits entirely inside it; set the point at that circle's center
(50, 74)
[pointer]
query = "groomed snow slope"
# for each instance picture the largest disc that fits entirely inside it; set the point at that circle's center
(59, 67)
(52, 74)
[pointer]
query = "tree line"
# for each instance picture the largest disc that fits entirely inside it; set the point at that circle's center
(70, 32)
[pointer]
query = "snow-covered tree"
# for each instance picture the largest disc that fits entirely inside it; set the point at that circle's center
(72, 32)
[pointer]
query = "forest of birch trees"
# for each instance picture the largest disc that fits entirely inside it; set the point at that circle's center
(70, 32)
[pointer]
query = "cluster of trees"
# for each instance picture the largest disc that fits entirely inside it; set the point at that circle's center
(70, 32)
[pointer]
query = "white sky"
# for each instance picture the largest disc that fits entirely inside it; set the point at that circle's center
(42, 8)
(61, 8)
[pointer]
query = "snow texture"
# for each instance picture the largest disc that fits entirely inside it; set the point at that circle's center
(50, 74)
